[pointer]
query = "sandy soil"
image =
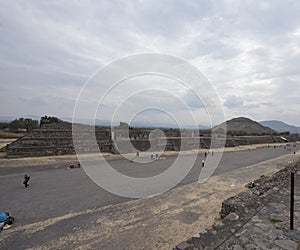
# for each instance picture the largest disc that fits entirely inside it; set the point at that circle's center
(11, 135)
(4, 142)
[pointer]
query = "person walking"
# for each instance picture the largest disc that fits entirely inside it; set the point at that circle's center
(203, 163)
(26, 180)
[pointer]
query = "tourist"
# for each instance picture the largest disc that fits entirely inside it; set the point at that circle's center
(203, 163)
(205, 154)
(71, 165)
(6, 220)
(26, 180)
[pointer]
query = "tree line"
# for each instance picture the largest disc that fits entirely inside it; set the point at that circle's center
(28, 124)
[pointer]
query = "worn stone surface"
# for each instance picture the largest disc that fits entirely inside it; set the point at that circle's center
(287, 244)
(237, 247)
(232, 216)
(252, 221)
(183, 246)
(57, 139)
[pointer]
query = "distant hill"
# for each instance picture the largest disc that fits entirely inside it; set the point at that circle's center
(245, 126)
(280, 126)
(7, 118)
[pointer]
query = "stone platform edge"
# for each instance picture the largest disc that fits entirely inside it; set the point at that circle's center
(236, 211)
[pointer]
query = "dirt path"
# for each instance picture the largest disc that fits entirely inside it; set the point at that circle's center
(33, 161)
(158, 222)
(4, 142)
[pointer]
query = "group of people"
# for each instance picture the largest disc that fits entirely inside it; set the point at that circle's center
(154, 157)
(73, 165)
(205, 155)
(6, 220)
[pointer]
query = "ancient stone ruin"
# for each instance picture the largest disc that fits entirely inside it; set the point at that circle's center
(56, 139)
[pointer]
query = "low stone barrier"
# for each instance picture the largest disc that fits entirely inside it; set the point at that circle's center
(236, 211)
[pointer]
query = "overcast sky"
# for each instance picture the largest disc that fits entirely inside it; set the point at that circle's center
(249, 50)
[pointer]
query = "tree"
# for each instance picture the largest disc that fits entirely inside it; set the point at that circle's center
(15, 124)
(30, 124)
(285, 133)
(27, 124)
(49, 119)
(4, 125)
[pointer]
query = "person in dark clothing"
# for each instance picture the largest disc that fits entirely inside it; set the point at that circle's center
(26, 180)
(72, 165)
(6, 220)
(203, 162)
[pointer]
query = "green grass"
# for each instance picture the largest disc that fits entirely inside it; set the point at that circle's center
(274, 220)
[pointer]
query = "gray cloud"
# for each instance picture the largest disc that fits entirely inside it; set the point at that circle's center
(233, 101)
(248, 49)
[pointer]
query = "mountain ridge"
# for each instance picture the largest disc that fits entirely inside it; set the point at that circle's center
(281, 126)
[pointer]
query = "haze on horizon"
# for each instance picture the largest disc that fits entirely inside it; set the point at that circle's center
(249, 50)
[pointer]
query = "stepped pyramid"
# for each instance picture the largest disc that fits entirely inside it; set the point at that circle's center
(56, 139)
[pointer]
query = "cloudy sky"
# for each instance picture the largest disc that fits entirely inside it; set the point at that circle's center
(249, 51)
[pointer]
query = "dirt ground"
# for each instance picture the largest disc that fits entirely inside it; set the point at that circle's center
(11, 135)
(157, 222)
(50, 159)
(4, 142)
